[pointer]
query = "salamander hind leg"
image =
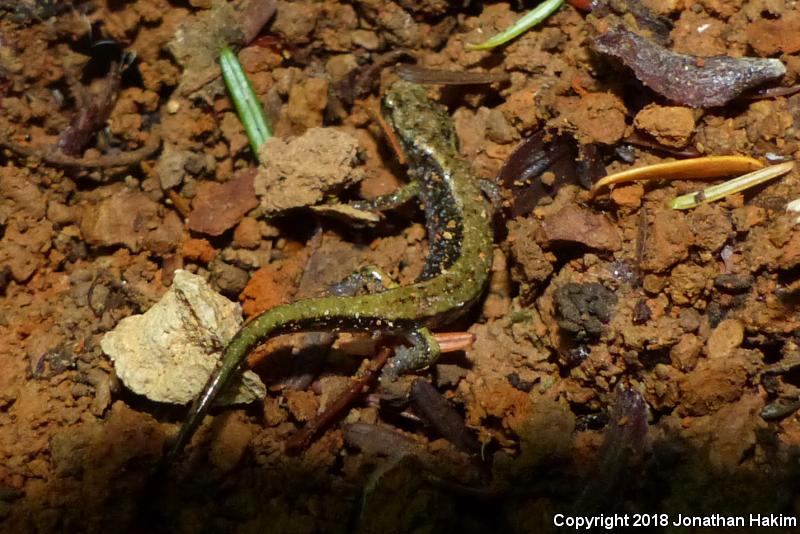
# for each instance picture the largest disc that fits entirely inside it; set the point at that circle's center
(423, 350)
(422, 353)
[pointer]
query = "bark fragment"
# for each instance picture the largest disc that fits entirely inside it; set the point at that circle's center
(694, 81)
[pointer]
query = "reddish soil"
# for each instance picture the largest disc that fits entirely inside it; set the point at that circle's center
(628, 358)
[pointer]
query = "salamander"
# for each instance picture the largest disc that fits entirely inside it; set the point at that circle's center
(456, 270)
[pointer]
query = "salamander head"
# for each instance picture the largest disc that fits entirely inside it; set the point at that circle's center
(421, 124)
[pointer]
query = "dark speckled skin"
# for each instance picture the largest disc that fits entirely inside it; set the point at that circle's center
(455, 273)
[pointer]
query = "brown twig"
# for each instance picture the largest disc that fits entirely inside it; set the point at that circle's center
(643, 142)
(442, 416)
(89, 299)
(772, 92)
(417, 74)
(93, 113)
(52, 156)
(303, 438)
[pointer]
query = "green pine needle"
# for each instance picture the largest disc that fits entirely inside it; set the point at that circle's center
(531, 19)
(244, 99)
(716, 192)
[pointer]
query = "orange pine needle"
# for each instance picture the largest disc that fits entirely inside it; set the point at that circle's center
(454, 341)
(389, 133)
(363, 344)
(686, 169)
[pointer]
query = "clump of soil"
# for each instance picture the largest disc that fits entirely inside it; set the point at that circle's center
(627, 358)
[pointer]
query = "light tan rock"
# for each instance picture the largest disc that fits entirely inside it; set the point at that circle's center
(168, 353)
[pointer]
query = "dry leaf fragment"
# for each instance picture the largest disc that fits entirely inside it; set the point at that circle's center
(699, 82)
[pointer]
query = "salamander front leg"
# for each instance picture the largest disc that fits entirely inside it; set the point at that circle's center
(370, 279)
(390, 201)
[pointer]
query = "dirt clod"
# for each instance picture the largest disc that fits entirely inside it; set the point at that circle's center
(584, 309)
(575, 225)
(595, 118)
(768, 37)
(669, 125)
(131, 219)
(726, 337)
(219, 207)
(668, 241)
(300, 172)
